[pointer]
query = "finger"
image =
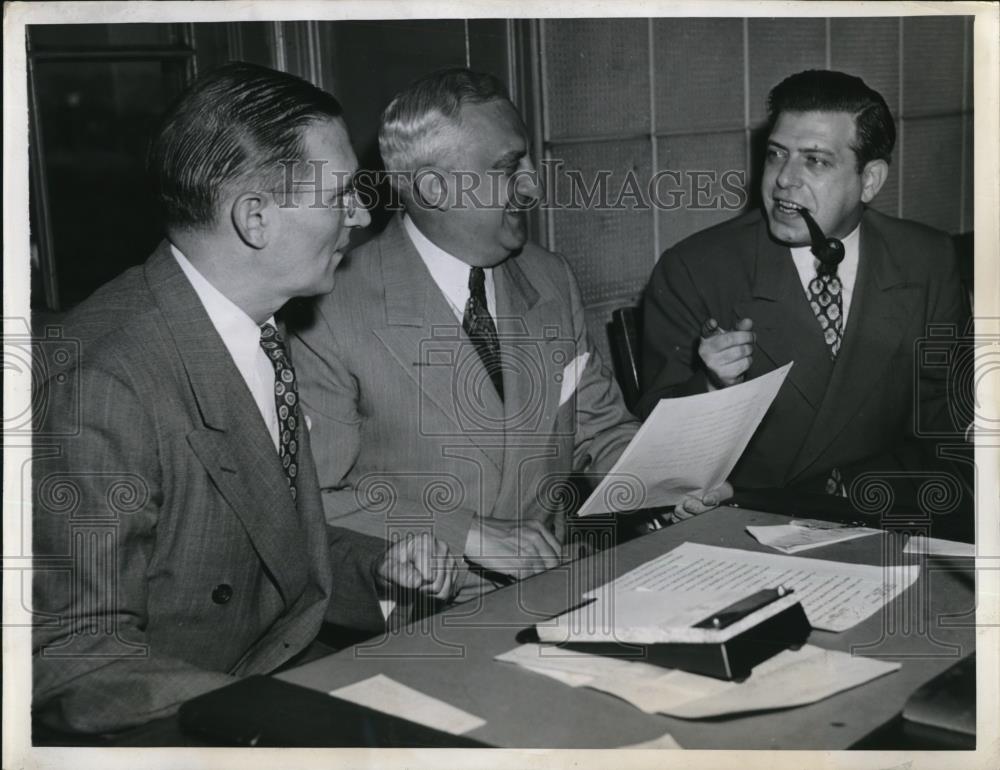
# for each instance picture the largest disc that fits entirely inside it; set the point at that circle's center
(733, 370)
(448, 571)
(725, 491)
(546, 535)
(733, 354)
(442, 559)
(545, 555)
(732, 340)
(683, 510)
(405, 575)
(420, 553)
(744, 324)
(710, 328)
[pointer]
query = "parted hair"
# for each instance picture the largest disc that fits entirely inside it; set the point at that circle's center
(412, 125)
(829, 91)
(235, 124)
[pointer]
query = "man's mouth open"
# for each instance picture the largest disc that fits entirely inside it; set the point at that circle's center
(787, 207)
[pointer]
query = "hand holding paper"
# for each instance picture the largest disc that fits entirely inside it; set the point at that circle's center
(687, 446)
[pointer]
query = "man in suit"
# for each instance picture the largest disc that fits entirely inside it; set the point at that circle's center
(747, 296)
(457, 352)
(178, 532)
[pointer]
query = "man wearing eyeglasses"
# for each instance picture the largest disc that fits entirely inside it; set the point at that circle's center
(450, 379)
(178, 499)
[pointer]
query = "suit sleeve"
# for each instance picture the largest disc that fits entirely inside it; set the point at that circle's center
(331, 398)
(673, 310)
(604, 426)
(97, 502)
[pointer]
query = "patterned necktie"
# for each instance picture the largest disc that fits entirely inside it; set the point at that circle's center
(286, 400)
(826, 296)
(478, 324)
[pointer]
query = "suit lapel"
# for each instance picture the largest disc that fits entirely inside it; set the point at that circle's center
(427, 341)
(234, 444)
(528, 341)
(876, 324)
(786, 327)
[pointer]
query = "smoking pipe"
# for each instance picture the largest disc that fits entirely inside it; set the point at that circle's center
(829, 251)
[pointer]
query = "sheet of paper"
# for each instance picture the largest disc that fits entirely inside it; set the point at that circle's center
(798, 536)
(647, 617)
(384, 694)
(791, 678)
(935, 546)
(835, 595)
(665, 741)
(686, 445)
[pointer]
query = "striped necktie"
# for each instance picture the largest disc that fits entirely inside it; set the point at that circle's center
(479, 326)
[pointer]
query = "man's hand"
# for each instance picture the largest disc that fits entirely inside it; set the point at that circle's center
(696, 503)
(421, 564)
(726, 355)
(514, 548)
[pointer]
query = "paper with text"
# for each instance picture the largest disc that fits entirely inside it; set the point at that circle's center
(798, 536)
(384, 694)
(686, 445)
(650, 617)
(835, 595)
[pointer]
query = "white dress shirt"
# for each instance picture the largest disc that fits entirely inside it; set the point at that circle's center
(449, 273)
(241, 336)
(847, 270)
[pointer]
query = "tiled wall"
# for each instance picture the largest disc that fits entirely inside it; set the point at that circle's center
(689, 94)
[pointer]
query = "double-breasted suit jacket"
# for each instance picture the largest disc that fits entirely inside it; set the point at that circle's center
(861, 412)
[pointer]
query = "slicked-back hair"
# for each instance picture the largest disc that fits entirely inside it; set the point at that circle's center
(829, 91)
(235, 124)
(411, 130)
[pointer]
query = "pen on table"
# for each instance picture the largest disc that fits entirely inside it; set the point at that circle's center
(744, 607)
(499, 579)
(578, 606)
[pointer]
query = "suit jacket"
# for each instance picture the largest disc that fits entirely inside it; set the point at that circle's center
(169, 554)
(408, 431)
(856, 414)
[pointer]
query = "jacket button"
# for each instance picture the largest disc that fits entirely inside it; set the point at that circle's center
(222, 593)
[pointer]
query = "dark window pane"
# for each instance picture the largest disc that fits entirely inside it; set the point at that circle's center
(96, 119)
(70, 36)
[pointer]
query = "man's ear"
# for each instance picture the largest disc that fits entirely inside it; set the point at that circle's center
(430, 188)
(873, 176)
(251, 216)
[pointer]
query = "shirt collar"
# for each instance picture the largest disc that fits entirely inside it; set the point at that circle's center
(449, 272)
(239, 332)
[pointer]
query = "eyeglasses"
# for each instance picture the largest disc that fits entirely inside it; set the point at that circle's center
(346, 198)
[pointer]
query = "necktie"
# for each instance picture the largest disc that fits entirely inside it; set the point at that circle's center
(479, 325)
(826, 297)
(286, 400)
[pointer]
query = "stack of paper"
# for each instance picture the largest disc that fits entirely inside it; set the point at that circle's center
(835, 595)
(651, 617)
(791, 678)
(803, 534)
